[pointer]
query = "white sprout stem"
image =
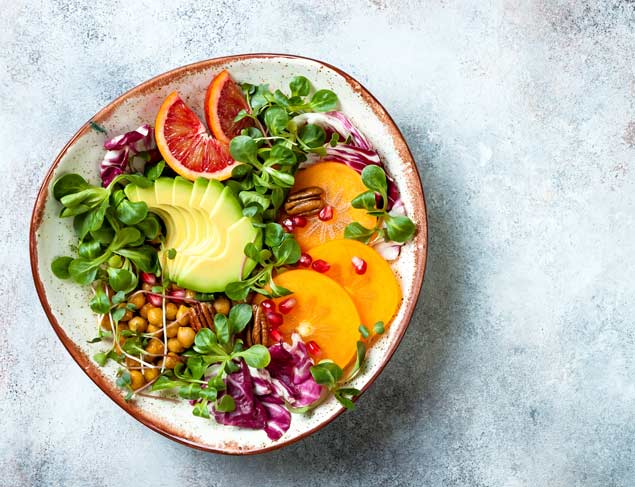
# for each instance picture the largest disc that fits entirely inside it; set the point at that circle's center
(165, 332)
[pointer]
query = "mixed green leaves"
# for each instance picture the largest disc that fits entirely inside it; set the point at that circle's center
(214, 355)
(272, 149)
(112, 231)
(331, 376)
(280, 249)
(396, 228)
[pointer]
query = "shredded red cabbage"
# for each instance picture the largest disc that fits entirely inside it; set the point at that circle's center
(257, 404)
(122, 148)
(249, 413)
(290, 370)
(335, 122)
(357, 154)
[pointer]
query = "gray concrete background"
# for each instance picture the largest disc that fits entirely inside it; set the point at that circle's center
(518, 366)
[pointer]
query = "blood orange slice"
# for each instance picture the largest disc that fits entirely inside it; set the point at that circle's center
(223, 101)
(186, 145)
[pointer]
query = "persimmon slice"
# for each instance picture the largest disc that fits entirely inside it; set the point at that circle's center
(376, 292)
(323, 313)
(340, 184)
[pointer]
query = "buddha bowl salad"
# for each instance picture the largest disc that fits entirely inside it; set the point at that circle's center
(245, 268)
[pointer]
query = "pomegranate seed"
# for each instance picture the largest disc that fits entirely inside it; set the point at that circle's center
(299, 221)
(177, 294)
(359, 265)
(268, 305)
(274, 319)
(155, 300)
(326, 213)
(148, 278)
(313, 348)
(275, 334)
(305, 260)
(287, 305)
(288, 225)
(320, 265)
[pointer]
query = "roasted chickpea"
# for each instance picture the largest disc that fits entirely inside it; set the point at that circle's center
(154, 346)
(150, 374)
(172, 360)
(186, 336)
(183, 315)
(144, 310)
(105, 322)
(222, 305)
(130, 362)
(146, 286)
(171, 330)
(138, 300)
(138, 324)
(174, 345)
(136, 379)
(155, 316)
(170, 311)
(152, 328)
(127, 315)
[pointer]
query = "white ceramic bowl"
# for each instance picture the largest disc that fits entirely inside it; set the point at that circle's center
(66, 303)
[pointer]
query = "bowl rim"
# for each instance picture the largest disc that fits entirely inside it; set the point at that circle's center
(84, 362)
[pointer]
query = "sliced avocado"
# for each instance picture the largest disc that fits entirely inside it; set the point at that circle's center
(215, 272)
(205, 225)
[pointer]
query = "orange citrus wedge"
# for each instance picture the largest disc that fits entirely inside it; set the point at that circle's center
(185, 144)
(375, 291)
(323, 313)
(340, 184)
(223, 100)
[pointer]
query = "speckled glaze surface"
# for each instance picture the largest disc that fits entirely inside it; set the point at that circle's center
(66, 303)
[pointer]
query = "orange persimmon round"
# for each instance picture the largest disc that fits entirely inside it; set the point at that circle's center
(340, 184)
(323, 312)
(376, 291)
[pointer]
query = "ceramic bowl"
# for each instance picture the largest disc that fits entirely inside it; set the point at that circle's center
(66, 304)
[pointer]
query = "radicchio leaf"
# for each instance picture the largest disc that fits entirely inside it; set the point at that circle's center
(258, 405)
(290, 370)
(357, 154)
(335, 122)
(121, 149)
(249, 413)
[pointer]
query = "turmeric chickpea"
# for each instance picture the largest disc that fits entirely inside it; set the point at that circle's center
(127, 315)
(186, 336)
(222, 305)
(174, 345)
(105, 322)
(155, 316)
(172, 360)
(154, 346)
(138, 300)
(150, 374)
(172, 330)
(138, 324)
(152, 328)
(136, 379)
(144, 310)
(183, 315)
(170, 311)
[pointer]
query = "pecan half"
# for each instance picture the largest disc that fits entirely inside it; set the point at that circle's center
(305, 202)
(202, 316)
(258, 331)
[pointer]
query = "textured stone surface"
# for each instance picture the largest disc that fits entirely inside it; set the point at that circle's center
(518, 368)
